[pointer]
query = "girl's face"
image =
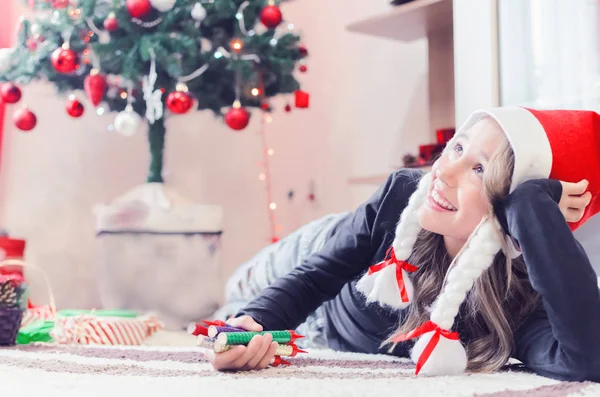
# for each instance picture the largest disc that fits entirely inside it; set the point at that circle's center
(456, 202)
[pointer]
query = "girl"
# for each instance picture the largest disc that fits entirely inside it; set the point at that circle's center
(482, 265)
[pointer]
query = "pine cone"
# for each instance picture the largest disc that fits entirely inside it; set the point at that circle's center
(8, 295)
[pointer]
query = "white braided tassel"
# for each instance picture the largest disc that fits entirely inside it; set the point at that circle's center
(449, 356)
(382, 285)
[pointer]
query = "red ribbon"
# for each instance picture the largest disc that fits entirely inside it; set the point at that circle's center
(423, 329)
(400, 265)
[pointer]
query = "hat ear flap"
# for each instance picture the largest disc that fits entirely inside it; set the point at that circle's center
(439, 351)
(387, 282)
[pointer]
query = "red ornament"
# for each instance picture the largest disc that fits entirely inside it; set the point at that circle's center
(60, 4)
(302, 99)
(179, 102)
(271, 16)
(64, 60)
(75, 108)
(139, 8)
(303, 68)
(288, 108)
(237, 118)
(303, 51)
(95, 86)
(110, 23)
(10, 93)
(274, 239)
(32, 44)
(24, 119)
(265, 106)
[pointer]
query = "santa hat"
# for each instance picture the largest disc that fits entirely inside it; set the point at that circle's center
(555, 144)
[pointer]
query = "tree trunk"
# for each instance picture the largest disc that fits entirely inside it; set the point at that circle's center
(156, 140)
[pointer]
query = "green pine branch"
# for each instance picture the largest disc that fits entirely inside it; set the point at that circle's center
(179, 44)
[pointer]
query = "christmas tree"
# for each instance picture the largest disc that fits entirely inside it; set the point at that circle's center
(151, 59)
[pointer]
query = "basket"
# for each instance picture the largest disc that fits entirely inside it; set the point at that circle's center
(10, 323)
(11, 318)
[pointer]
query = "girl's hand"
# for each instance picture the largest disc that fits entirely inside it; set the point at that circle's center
(574, 200)
(257, 355)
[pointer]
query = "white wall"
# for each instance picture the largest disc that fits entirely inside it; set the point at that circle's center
(369, 98)
(475, 56)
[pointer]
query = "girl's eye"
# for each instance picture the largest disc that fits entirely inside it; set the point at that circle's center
(458, 148)
(478, 169)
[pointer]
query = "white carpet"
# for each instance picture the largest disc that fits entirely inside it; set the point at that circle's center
(180, 371)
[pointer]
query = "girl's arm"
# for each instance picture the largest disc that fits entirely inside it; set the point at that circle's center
(562, 339)
(287, 302)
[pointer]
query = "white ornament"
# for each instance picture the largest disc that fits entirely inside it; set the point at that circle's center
(5, 59)
(163, 5)
(154, 107)
(103, 37)
(127, 122)
(198, 12)
(35, 29)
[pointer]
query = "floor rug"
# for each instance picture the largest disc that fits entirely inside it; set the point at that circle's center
(52, 370)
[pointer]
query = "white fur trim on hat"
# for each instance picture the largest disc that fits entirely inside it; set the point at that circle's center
(382, 286)
(527, 137)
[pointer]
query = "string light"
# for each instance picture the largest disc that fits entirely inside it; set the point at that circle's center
(266, 174)
(268, 119)
(124, 95)
(255, 92)
(74, 12)
(236, 45)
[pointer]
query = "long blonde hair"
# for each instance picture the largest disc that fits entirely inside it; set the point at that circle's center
(500, 298)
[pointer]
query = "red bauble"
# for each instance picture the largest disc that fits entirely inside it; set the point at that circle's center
(303, 51)
(32, 44)
(10, 93)
(75, 108)
(302, 99)
(288, 108)
(179, 102)
(110, 23)
(139, 8)
(237, 118)
(60, 3)
(24, 119)
(95, 86)
(303, 68)
(271, 16)
(64, 60)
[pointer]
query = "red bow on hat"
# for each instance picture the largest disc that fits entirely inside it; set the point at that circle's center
(400, 265)
(423, 329)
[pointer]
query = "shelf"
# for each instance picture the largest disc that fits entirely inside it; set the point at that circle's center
(380, 178)
(408, 22)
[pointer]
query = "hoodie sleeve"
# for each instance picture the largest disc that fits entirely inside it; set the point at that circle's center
(561, 340)
(292, 298)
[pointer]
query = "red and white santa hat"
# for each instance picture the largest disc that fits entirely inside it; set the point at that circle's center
(555, 144)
